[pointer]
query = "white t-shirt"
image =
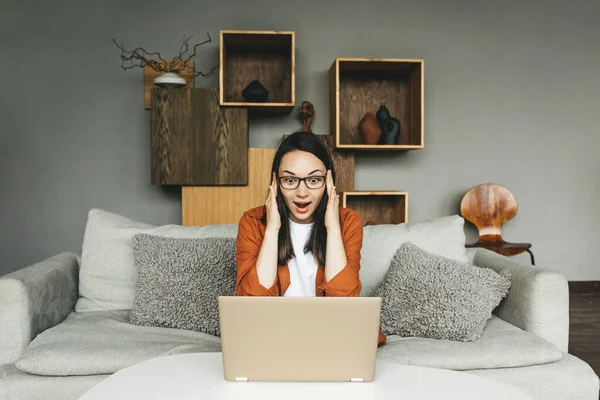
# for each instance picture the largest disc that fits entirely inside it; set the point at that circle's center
(303, 267)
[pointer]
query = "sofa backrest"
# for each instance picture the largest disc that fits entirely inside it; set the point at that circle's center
(442, 236)
(108, 275)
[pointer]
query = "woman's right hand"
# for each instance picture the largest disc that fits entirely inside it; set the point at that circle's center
(273, 218)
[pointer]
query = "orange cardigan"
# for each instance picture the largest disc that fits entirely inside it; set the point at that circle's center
(251, 231)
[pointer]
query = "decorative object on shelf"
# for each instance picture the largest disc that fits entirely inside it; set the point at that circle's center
(390, 126)
(178, 72)
(255, 92)
(169, 80)
(141, 58)
(307, 111)
(369, 129)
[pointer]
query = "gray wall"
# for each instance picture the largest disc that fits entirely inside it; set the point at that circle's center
(511, 97)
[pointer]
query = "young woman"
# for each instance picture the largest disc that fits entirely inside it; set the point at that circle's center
(300, 243)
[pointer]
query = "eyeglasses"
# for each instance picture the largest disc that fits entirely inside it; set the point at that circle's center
(311, 182)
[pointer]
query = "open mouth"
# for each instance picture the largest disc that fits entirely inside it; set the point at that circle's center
(301, 207)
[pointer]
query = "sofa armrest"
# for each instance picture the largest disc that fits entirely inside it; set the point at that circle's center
(538, 300)
(34, 299)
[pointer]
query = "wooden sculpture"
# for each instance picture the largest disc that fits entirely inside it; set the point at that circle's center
(307, 112)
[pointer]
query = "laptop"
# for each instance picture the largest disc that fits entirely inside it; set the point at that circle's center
(299, 339)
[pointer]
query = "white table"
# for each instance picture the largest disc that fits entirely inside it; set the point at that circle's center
(200, 376)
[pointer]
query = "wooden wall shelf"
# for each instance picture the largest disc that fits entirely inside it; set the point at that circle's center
(378, 207)
(266, 56)
(196, 142)
(361, 85)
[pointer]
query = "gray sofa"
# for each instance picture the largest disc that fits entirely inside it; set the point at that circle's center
(50, 350)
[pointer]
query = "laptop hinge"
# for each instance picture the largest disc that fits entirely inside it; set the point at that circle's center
(356, 379)
(242, 379)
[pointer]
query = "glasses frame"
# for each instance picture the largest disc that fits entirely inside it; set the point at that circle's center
(300, 180)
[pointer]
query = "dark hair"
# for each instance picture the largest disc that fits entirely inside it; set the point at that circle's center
(317, 241)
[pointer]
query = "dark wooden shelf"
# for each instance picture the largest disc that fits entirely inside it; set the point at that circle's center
(361, 85)
(195, 142)
(378, 207)
(266, 56)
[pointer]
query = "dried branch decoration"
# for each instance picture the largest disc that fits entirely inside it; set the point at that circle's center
(140, 58)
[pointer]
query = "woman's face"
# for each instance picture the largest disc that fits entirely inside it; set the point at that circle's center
(302, 201)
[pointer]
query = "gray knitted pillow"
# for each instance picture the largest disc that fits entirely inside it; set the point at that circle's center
(179, 281)
(425, 295)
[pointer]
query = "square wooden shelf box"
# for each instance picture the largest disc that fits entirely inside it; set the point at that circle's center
(378, 207)
(266, 56)
(361, 85)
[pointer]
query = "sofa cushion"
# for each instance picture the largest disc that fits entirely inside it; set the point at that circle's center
(501, 345)
(427, 295)
(107, 275)
(103, 342)
(442, 236)
(179, 281)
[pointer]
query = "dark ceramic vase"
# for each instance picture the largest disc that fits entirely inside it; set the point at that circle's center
(390, 132)
(255, 92)
(383, 114)
(369, 129)
(390, 126)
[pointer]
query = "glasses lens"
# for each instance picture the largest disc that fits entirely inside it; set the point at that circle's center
(289, 182)
(315, 182)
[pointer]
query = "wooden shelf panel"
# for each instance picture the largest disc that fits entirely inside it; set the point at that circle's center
(266, 56)
(378, 207)
(358, 86)
(196, 142)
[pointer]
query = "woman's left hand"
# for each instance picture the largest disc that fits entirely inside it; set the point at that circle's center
(332, 214)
